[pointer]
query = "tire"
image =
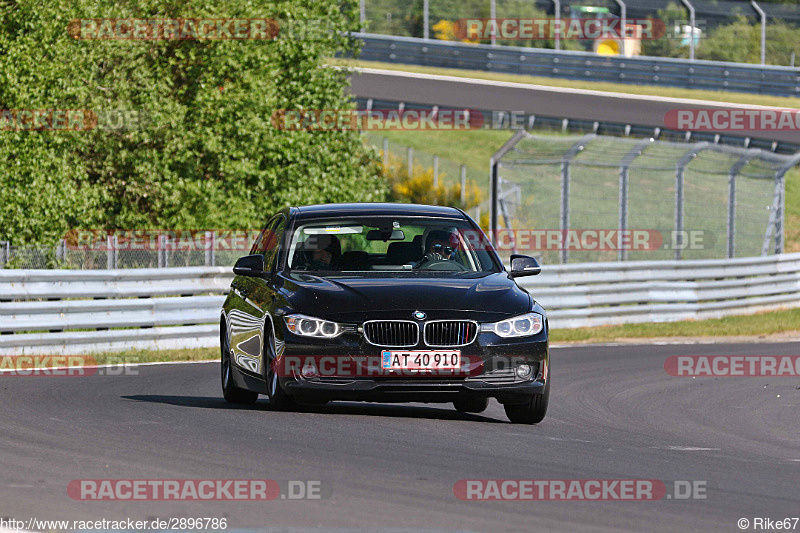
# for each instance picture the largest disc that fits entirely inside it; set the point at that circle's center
(279, 400)
(471, 404)
(230, 391)
(531, 412)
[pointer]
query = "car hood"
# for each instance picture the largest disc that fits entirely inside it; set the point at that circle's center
(488, 297)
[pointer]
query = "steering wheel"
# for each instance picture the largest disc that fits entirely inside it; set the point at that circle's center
(440, 264)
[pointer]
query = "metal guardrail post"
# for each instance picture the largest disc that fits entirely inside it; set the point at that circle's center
(557, 4)
(635, 152)
(622, 26)
(426, 20)
(362, 14)
(493, 15)
(690, 7)
(763, 30)
(5, 252)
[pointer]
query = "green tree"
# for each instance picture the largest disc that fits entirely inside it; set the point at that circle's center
(208, 154)
(740, 41)
(670, 44)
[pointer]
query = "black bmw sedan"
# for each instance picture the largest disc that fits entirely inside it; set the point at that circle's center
(383, 303)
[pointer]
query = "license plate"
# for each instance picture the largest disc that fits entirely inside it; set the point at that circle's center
(421, 360)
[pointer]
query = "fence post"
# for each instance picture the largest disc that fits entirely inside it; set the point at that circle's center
(426, 20)
(61, 250)
(463, 185)
(494, 179)
(565, 178)
(386, 152)
(732, 200)
(109, 252)
(410, 154)
(780, 189)
(731, 215)
(622, 253)
(435, 171)
(162, 256)
(5, 252)
(211, 248)
(690, 7)
(679, 172)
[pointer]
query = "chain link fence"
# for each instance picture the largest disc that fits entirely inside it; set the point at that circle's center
(600, 198)
(164, 251)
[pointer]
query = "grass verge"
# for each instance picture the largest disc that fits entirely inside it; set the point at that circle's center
(153, 356)
(646, 90)
(786, 321)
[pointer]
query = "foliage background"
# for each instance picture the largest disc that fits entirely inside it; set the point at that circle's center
(208, 156)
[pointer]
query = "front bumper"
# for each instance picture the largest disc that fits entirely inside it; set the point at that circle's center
(495, 376)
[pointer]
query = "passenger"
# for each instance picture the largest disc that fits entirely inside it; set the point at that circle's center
(322, 252)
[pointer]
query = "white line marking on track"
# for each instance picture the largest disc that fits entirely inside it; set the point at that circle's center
(126, 365)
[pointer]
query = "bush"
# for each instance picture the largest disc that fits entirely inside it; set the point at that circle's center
(208, 157)
(419, 189)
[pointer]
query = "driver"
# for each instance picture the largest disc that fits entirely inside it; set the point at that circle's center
(321, 252)
(440, 245)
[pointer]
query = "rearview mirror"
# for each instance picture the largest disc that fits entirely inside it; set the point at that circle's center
(522, 265)
(379, 235)
(250, 265)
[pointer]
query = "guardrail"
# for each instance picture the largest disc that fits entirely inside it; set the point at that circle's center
(598, 294)
(49, 311)
(46, 311)
(670, 72)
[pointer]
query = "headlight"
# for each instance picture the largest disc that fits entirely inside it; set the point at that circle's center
(308, 326)
(519, 326)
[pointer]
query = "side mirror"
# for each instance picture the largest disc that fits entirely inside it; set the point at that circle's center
(250, 265)
(522, 265)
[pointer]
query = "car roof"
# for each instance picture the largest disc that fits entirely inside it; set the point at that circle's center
(375, 209)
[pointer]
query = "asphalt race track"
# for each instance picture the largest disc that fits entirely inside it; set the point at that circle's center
(537, 99)
(614, 414)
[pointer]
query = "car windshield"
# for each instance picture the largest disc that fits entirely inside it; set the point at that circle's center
(390, 245)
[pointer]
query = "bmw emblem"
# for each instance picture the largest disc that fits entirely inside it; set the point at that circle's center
(419, 315)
